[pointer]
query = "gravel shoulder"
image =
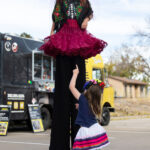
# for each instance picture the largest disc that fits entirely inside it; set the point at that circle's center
(131, 109)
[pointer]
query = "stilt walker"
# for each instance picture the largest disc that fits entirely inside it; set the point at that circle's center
(70, 44)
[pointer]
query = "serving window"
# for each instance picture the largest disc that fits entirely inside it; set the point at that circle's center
(43, 67)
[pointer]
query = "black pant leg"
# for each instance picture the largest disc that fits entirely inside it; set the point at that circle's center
(60, 135)
(79, 85)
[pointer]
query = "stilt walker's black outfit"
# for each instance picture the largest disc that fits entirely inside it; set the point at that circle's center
(64, 106)
(70, 45)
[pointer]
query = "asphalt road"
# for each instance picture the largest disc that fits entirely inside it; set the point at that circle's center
(123, 135)
(129, 135)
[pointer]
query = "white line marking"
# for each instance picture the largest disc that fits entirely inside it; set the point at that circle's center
(40, 134)
(25, 143)
(111, 137)
(129, 132)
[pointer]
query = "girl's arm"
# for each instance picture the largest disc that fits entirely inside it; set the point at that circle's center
(72, 85)
(52, 29)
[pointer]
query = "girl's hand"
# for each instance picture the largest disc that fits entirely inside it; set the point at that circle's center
(76, 71)
(85, 23)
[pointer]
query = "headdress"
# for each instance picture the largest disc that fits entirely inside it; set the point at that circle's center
(93, 82)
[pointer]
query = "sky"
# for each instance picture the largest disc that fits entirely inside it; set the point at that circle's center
(115, 21)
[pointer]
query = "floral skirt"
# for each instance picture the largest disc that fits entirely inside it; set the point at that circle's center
(71, 40)
(92, 138)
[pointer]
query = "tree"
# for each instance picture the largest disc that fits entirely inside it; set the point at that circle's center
(144, 38)
(143, 35)
(133, 61)
(142, 67)
(128, 62)
(25, 35)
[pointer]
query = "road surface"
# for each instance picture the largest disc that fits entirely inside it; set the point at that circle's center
(123, 135)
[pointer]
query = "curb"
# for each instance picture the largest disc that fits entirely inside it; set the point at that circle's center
(129, 117)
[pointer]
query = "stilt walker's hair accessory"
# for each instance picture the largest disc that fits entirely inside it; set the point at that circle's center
(93, 82)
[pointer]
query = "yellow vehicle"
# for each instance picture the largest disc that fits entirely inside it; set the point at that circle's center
(95, 69)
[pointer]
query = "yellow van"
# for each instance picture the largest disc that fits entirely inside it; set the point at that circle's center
(95, 69)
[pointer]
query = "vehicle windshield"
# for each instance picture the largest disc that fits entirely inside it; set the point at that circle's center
(97, 74)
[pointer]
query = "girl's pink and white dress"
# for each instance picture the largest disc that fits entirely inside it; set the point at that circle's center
(91, 135)
(92, 138)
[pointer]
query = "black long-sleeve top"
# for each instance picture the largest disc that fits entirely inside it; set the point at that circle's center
(70, 9)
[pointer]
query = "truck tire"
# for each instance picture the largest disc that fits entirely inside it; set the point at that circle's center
(46, 117)
(105, 117)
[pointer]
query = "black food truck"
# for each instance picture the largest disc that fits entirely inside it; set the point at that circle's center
(26, 77)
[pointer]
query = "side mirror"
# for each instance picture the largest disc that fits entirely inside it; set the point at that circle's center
(106, 78)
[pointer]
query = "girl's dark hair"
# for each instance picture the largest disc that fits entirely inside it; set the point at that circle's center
(93, 95)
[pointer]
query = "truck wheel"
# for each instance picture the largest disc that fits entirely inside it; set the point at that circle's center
(105, 116)
(46, 117)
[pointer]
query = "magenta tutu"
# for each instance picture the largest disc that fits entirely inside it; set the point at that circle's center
(72, 41)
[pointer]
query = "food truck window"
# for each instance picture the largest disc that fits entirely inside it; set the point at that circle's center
(37, 66)
(97, 74)
(46, 68)
(43, 67)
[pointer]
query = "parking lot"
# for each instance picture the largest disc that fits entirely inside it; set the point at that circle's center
(133, 134)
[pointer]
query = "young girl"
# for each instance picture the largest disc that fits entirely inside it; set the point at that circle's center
(91, 136)
(70, 44)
